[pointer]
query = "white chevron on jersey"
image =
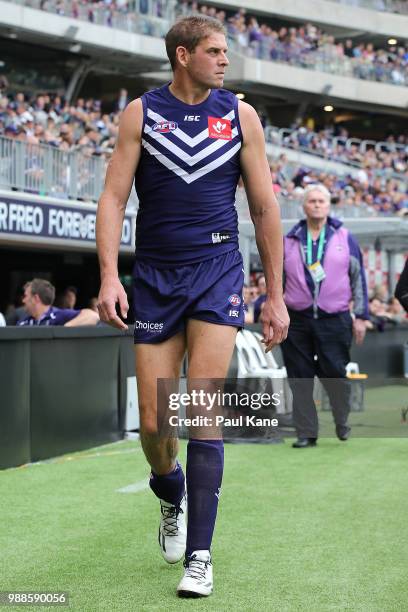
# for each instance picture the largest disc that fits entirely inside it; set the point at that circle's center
(183, 174)
(188, 159)
(191, 142)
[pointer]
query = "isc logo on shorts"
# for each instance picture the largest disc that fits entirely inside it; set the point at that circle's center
(234, 299)
(219, 128)
(164, 127)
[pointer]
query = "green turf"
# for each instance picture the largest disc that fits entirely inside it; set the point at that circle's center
(316, 529)
(381, 417)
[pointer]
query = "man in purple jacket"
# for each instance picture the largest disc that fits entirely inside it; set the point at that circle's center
(38, 301)
(324, 274)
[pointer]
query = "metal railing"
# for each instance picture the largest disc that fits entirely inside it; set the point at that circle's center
(45, 170)
(292, 208)
(148, 17)
(388, 6)
(323, 59)
(287, 137)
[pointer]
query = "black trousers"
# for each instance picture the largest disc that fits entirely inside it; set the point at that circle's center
(329, 339)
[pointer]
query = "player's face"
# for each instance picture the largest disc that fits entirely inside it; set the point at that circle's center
(316, 206)
(29, 301)
(207, 63)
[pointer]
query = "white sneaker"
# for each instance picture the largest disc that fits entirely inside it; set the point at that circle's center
(198, 576)
(173, 530)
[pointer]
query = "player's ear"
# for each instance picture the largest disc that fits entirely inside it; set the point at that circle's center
(182, 55)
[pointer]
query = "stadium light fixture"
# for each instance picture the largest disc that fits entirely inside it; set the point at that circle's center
(392, 41)
(240, 96)
(328, 108)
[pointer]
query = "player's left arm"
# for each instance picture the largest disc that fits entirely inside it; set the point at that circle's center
(265, 215)
(85, 317)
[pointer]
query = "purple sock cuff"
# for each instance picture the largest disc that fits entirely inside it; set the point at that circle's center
(169, 487)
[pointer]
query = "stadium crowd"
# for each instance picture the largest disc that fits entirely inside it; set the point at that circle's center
(141, 16)
(84, 126)
(307, 46)
(377, 195)
(391, 156)
(46, 119)
(391, 6)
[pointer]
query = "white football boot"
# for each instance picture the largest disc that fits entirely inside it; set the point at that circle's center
(173, 530)
(198, 575)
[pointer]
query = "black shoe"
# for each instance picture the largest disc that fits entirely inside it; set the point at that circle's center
(304, 443)
(343, 432)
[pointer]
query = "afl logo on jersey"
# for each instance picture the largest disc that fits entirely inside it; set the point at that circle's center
(234, 299)
(219, 128)
(164, 127)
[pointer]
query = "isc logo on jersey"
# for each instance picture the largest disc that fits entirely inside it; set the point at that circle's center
(219, 128)
(164, 127)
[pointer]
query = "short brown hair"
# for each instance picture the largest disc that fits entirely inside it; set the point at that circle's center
(44, 290)
(188, 32)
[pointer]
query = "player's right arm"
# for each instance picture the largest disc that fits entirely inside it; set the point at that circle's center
(111, 212)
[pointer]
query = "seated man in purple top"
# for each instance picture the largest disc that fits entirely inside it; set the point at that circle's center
(38, 300)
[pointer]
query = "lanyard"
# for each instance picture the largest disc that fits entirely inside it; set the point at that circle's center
(319, 248)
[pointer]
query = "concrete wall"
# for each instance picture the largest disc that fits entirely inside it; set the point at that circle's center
(47, 24)
(248, 70)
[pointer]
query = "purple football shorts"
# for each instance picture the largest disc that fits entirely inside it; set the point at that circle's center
(164, 298)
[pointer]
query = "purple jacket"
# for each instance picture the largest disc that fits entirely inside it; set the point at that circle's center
(342, 263)
(53, 316)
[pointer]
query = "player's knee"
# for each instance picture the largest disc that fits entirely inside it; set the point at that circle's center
(148, 426)
(147, 411)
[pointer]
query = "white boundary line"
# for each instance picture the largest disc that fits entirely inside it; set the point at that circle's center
(142, 485)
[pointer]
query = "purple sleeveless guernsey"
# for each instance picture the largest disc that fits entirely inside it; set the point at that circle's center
(187, 177)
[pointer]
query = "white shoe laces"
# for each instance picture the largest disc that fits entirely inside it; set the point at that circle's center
(170, 519)
(196, 568)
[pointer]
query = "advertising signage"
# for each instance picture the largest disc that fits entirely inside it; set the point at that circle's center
(51, 222)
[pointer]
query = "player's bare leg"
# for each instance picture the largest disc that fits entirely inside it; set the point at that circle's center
(155, 361)
(210, 349)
